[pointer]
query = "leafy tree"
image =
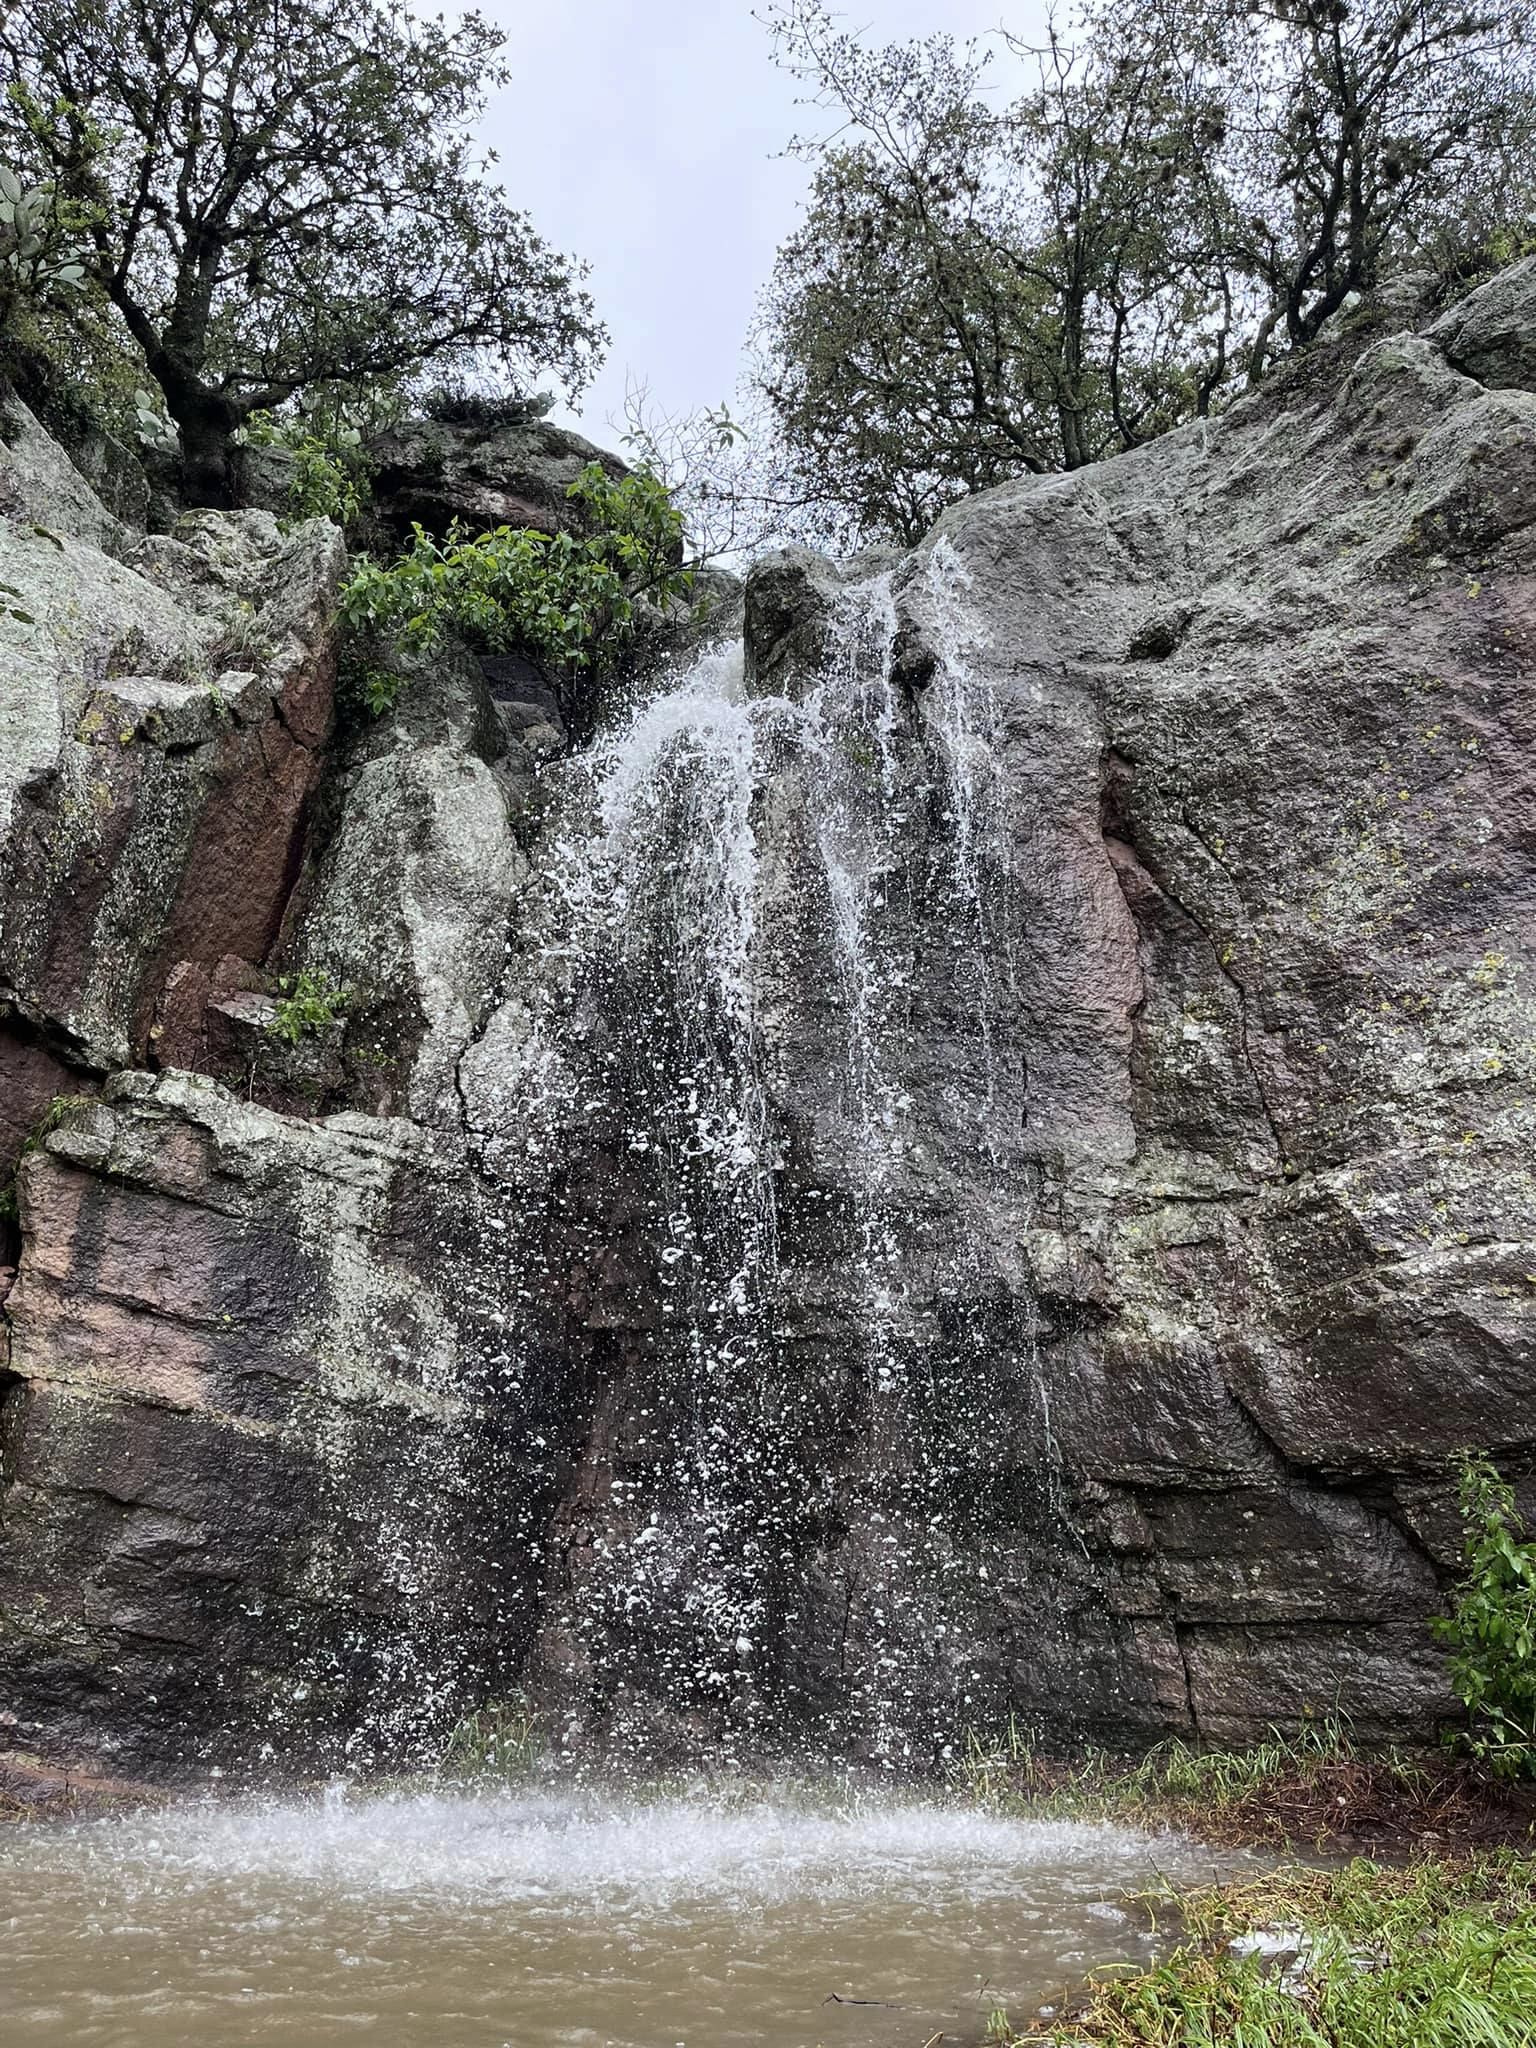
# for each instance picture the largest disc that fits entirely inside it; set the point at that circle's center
(1185, 190)
(1364, 135)
(285, 196)
(979, 291)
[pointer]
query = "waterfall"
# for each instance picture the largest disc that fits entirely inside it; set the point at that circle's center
(696, 1099)
(629, 1048)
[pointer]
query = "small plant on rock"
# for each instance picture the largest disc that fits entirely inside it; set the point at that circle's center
(59, 1112)
(308, 1004)
(501, 1740)
(9, 609)
(327, 481)
(1491, 1630)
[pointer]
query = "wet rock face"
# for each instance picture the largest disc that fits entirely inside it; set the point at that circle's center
(1262, 718)
(1138, 942)
(232, 1447)
(229, 1409)
(978, 1161)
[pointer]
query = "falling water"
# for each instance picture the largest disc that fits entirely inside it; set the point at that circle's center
(631, 1052)
(733, 883)
(756, 1051)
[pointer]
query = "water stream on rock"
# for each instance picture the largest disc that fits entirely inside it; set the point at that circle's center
(732, 897)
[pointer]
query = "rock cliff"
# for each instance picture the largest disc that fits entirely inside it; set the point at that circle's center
(979, 1162)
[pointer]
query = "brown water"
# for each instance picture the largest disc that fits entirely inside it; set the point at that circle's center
(556, 1920)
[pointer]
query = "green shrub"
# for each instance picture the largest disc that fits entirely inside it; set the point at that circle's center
(69, 362)
(308, 1003)
(569, 599)
(327, 480)
(1491, 1631)
(62, 349)
(377, 685)
(40, 253)
(322, 487)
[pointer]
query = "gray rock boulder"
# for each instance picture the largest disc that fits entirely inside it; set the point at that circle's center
(1249, 849)
(163, 715)
(485, 474)
(1488, 335)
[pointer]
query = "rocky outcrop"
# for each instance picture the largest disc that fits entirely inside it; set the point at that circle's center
(166, 703)
(223, 1342)
(1258, 698)
(480, 469)
(231, 1421)
(1005, 1188)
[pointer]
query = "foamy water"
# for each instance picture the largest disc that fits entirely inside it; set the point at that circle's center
(526, 1921)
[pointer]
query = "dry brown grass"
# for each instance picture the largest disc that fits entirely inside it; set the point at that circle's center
(1313, 1789)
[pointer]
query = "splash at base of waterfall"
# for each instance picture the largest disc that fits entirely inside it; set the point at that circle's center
(543, 1919)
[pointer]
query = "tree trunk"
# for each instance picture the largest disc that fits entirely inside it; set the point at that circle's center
(208, 453)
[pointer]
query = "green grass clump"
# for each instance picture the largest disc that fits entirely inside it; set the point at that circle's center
(1171, 1770)
(1438, 1955)
(501, 1740)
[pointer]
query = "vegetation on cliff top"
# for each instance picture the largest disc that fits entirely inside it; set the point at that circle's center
(569, 599)
(281, 220)
(275, 217)
(1185, 191)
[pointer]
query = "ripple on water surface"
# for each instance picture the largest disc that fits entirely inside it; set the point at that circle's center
(555, 1921)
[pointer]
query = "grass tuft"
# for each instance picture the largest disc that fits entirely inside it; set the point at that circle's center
(501, 1740)
(1437, 1955)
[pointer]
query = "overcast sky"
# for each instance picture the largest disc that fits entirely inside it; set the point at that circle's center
(644, 135)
